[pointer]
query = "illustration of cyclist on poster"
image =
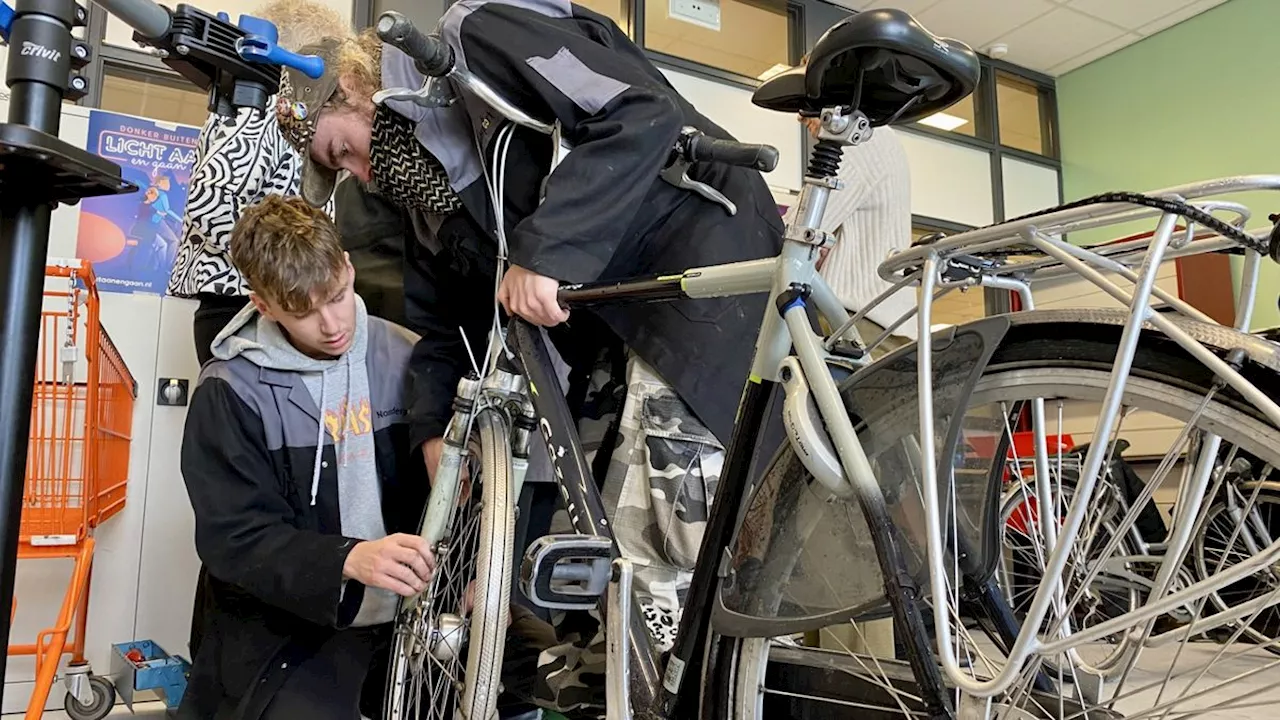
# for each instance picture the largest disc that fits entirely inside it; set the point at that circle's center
(132, 239)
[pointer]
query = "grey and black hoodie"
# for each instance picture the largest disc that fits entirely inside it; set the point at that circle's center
(289, 461)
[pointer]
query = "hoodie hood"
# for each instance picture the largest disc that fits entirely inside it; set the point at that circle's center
(333, 383)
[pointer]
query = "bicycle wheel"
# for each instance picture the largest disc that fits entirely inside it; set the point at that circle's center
(1223, 540)
(803, 565)
(446, 656)
(1021, 564)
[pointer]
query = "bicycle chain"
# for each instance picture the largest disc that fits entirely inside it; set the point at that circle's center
(1177, 207)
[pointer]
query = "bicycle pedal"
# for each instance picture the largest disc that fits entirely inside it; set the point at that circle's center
(566, 572)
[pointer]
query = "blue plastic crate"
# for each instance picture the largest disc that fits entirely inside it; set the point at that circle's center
(159, 671)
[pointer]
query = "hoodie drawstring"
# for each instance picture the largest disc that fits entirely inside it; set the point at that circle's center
(346, 359)
(315, 472)
(338, 437)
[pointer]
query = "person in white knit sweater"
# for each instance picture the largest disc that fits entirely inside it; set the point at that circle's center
(870, 218)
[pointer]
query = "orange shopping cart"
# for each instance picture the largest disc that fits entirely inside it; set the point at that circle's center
(77, 472)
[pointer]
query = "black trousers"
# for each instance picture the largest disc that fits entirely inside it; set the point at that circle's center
(329, 685)
(213, 314)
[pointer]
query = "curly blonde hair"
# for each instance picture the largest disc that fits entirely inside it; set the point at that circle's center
(359, 60)
(304, 22)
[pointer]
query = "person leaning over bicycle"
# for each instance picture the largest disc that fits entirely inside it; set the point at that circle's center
(606, 214)
(303, 484)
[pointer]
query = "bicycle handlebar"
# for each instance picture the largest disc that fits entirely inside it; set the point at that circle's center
(697, 147)
(430, 53)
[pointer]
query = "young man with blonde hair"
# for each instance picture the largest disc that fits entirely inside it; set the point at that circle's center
(297, 461)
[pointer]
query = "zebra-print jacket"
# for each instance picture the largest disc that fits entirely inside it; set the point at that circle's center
(239, 161)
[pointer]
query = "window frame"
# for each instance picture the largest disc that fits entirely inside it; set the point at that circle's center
(795, 46)
(115, 57)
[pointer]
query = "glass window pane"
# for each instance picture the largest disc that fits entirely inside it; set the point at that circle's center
(615, 10)
(1018, 108)
(959, 119)
(151, 96)
(751, 38)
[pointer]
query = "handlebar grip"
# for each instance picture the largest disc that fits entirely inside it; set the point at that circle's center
(431, 54)
(708, 149)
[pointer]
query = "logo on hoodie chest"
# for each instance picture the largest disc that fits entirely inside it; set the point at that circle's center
(351, 418)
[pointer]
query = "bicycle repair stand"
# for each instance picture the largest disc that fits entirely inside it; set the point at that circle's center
(39, 171)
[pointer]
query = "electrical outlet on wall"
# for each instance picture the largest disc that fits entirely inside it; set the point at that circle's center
(705, 13)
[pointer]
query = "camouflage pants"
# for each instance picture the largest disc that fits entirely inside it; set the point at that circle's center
(658, 490)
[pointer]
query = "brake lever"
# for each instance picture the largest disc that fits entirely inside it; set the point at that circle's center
(677, 173)
(435, 93)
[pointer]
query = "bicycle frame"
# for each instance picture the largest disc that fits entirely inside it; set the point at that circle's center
(785, 325)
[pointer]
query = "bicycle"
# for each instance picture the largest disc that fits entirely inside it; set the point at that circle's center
(848, 443)
(1235, 522)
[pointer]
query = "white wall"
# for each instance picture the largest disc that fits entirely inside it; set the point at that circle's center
(949, 181)
(145, 564)
(1027, 187)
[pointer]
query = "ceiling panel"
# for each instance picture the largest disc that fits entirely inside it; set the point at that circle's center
(1128, 14)
(1049, 36)
(979, 22)
(1099, 52)
(911, 6)
(1055, 37)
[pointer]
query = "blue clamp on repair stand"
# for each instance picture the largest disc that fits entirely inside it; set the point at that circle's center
(6, 19)
(259, 44)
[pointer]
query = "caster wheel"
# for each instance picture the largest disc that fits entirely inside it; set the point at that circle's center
(104, 697)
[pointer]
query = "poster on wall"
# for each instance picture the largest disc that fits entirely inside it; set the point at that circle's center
(132, 239)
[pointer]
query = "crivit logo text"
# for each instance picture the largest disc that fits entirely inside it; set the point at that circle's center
(30, 49)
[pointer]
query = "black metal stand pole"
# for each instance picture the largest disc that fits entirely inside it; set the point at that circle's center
(38, 70)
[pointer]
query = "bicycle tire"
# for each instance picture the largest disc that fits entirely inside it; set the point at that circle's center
(1044, 346)
(491, 591)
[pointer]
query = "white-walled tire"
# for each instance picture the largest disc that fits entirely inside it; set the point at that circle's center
(446, 656)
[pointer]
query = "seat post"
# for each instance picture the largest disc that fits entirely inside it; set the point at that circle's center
(840, 129)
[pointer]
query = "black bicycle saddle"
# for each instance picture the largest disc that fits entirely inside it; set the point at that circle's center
(881, 62)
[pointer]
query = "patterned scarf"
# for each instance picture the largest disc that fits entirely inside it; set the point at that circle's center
(404, 171)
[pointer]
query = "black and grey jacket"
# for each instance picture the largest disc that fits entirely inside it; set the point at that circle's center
(269, 524)
(606, 212)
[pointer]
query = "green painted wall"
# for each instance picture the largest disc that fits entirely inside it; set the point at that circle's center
(1197, 101)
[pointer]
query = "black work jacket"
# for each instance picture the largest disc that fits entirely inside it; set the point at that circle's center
(606, 214)
(275, 591)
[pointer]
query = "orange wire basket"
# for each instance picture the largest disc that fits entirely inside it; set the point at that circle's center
(78, 456)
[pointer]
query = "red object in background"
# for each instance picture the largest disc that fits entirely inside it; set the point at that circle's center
(1023, 448)
(1024, 516)
(135, 656)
